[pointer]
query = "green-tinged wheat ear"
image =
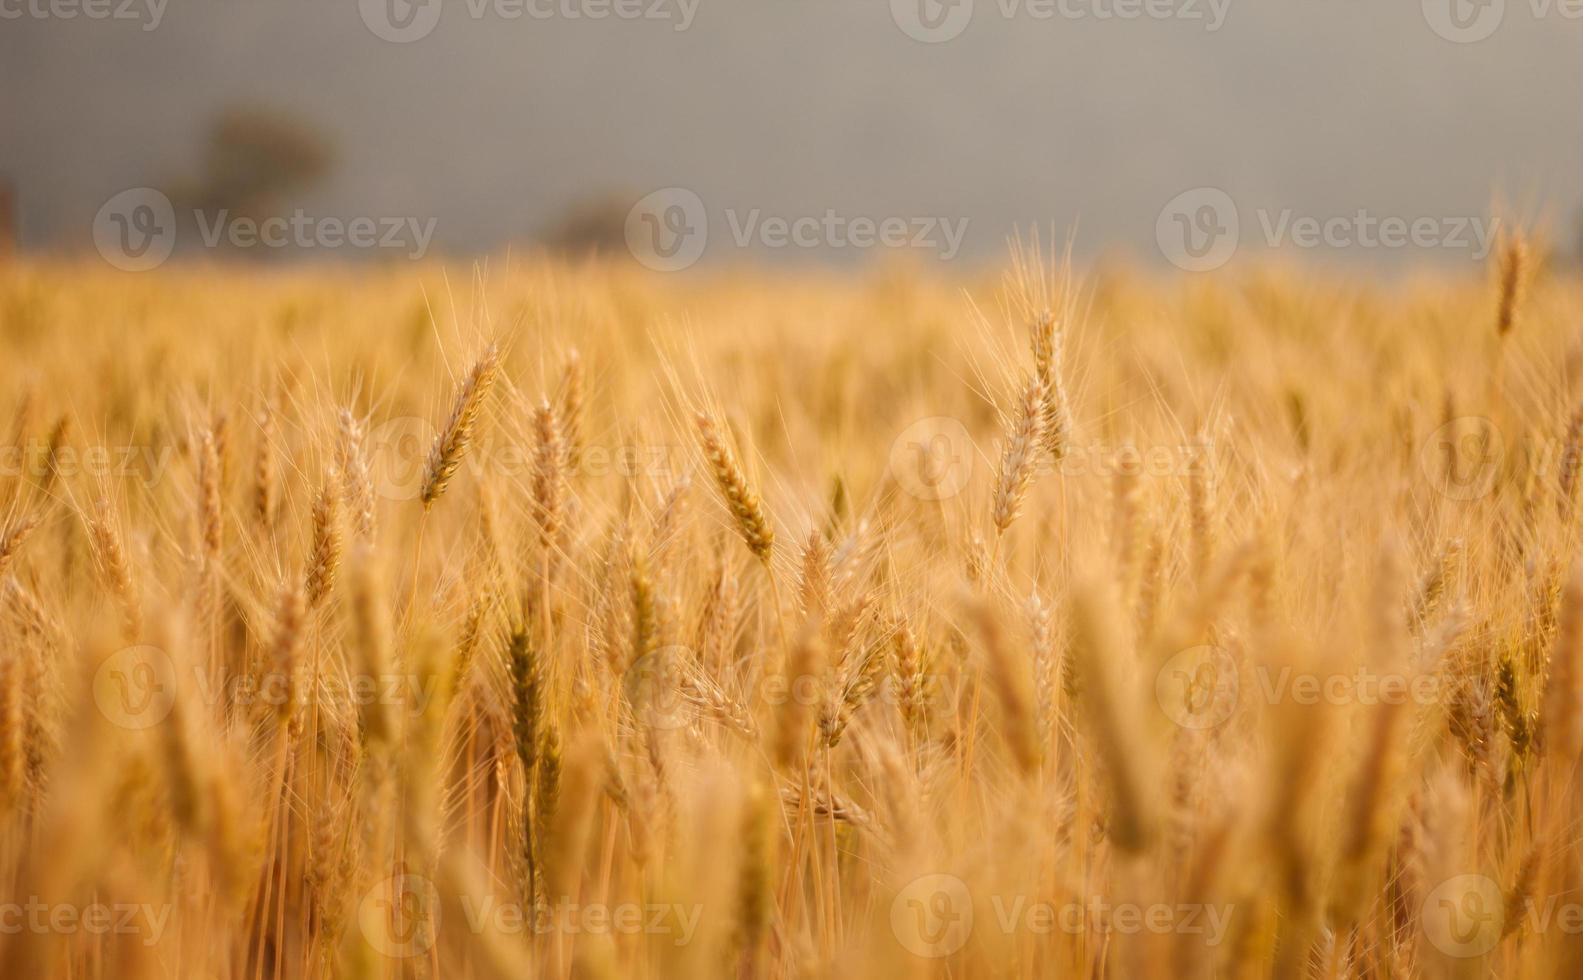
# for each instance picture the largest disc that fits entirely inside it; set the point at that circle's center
(264, 470)
(740, 498)
(451, 444)
(546, 787)
(582, 776)
(522, 665)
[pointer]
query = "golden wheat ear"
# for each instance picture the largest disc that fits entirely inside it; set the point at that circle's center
(1049, 343)
(451, 444)
(549, 474)
(116, 569)
(325, 556)
(357, 483)
(16, 533)
(1512, 274)
(1018, 457)
(740, 498)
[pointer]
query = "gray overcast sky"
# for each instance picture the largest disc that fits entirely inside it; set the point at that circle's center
(494, 125)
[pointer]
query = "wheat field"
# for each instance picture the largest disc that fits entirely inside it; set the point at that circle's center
(549, 619)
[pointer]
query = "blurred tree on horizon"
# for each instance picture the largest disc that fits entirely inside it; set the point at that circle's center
(595, 225)
(255, 160)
